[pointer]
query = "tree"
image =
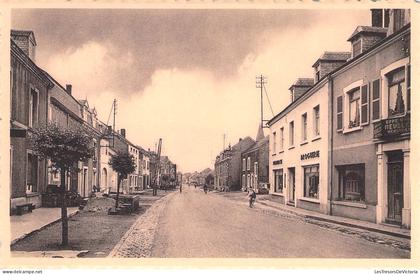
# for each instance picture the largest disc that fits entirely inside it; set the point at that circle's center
(64, 147)
(209, 179)
(123, 163)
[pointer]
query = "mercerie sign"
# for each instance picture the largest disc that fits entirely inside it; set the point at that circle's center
(309, 155)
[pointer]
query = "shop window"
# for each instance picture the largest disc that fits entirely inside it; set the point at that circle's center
(352, 183)
(278, 180)
(376, 100)
(397, 95)
(354, 107)
(311, 181)
(339, 112)
(304, 127)
(316, 121)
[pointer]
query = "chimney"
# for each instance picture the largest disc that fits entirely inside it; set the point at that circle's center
(328, 62)
(364, 37)
(109, 129)
(25, 40)
(123, 132)
(299, 87)
(68, 88)
(240, 139)
(380, 18)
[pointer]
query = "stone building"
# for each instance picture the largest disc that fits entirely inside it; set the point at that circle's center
(28, 110)
(255, 163)
(227, 166)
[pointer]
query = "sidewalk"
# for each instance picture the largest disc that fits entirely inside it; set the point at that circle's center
(23, 225)
(307, 214)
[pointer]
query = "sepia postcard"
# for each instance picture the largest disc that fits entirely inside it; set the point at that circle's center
(202, 135)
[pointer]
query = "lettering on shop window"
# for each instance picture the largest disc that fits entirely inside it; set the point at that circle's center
(309, 155)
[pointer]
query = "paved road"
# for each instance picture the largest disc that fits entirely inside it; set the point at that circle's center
(194, 224)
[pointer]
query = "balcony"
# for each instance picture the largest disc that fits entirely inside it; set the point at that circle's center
(391, 128)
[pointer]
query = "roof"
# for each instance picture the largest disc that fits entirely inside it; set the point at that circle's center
(368, 29)
(350, 61)
(23, 33)
(260, 133)
(303, 82)
(258, 144)
(339, 56)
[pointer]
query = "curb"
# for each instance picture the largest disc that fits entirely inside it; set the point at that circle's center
(24, 236)
(323, 219)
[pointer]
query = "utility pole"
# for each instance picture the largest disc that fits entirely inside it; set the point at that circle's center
(260, 82)
(113, 123)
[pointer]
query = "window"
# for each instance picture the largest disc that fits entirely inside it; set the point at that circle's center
(397, 96)
(248, 163)
(274, 142)
(291, 133)
(376, 100)
(354, 108)
(339, 112)
(352, 182)
(243, 164)
(311, 181)
(278, 180)
(304, 127)
(33, 107)
(365, 105)
(357, 48)
(256, 169)
(316, 121)
(317, 74)
(282, 138)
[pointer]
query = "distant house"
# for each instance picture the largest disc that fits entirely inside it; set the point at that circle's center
(227, 167)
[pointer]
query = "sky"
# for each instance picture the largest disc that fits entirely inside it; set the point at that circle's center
(186, 76)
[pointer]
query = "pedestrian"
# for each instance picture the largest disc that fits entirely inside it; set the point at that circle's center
(252, 196)
(205, 188)
(180, 188)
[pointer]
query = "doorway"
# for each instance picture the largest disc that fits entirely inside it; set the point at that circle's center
(395, 187)
(291, 186)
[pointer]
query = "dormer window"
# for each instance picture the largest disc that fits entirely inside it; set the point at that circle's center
(317, 74)
(357, 48)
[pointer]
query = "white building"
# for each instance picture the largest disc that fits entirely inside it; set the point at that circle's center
(109, 177)
(298, 157)
(133, 178)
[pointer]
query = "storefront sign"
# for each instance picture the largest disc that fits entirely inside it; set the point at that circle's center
(278, 162)
(309, 155)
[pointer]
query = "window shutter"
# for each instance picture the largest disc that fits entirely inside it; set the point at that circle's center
(365, 105)
(409, 87)
(339, 112)
(376, 100)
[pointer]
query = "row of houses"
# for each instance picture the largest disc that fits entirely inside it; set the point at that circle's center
(243, 165)
(342, 145)
(37, 99)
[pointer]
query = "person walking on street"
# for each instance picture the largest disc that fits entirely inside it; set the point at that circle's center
(180, 188)
(252, 197)
(205, 188)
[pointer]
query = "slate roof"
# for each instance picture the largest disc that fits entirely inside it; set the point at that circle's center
(303, 82)
(368, 29)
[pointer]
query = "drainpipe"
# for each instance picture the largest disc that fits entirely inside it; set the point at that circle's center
(331, 134)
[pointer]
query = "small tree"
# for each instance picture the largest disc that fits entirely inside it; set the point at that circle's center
(64, 147)
(123, 163)
(209, 179)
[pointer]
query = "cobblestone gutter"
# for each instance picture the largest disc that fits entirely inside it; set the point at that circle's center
(138, 240)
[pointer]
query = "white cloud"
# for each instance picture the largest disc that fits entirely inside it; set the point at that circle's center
(191, 109)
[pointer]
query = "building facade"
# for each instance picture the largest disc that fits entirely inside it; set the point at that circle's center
(228, 164)
(28, 110)
(255, 164)
(371, 118)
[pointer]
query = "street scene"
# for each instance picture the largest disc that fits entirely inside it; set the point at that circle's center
(210, 133)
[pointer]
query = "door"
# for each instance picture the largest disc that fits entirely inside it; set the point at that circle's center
(291, 185)
(85, 174)
(395, 187)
